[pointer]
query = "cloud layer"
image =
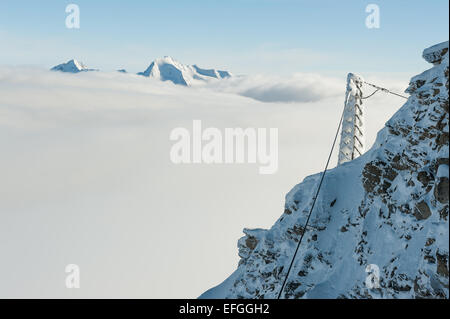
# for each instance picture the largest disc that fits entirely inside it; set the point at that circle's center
(300, 87)
(87, 179)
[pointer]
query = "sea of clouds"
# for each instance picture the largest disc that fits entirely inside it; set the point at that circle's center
(86, 176)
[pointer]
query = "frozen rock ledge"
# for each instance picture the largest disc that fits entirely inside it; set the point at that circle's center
(435, 53)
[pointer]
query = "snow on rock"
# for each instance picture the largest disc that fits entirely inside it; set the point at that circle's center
(387, 208)
(435, 53)
(72, 66)
(168, 69)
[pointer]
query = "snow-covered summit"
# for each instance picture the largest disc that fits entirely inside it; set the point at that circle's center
(168, 69)
(72, 66)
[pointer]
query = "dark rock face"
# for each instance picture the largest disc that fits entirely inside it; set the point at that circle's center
(422, 211)
(441, 190)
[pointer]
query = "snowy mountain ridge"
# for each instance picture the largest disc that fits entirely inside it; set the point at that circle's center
(168, 69)
(386, 211)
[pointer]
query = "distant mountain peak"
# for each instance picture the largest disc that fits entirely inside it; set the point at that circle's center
(71, 66)
(168, 69)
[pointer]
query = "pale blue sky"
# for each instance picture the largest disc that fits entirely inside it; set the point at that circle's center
(245, 36)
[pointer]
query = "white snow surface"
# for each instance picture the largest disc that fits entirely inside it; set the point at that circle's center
(387, 208)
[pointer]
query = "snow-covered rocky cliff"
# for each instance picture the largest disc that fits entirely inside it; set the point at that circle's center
(385, 212)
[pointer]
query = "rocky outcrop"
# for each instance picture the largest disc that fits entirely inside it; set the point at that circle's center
(384, 214)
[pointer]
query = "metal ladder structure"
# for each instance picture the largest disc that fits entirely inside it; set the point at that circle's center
(352, 142)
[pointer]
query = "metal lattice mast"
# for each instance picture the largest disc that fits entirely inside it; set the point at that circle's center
(352, 134)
